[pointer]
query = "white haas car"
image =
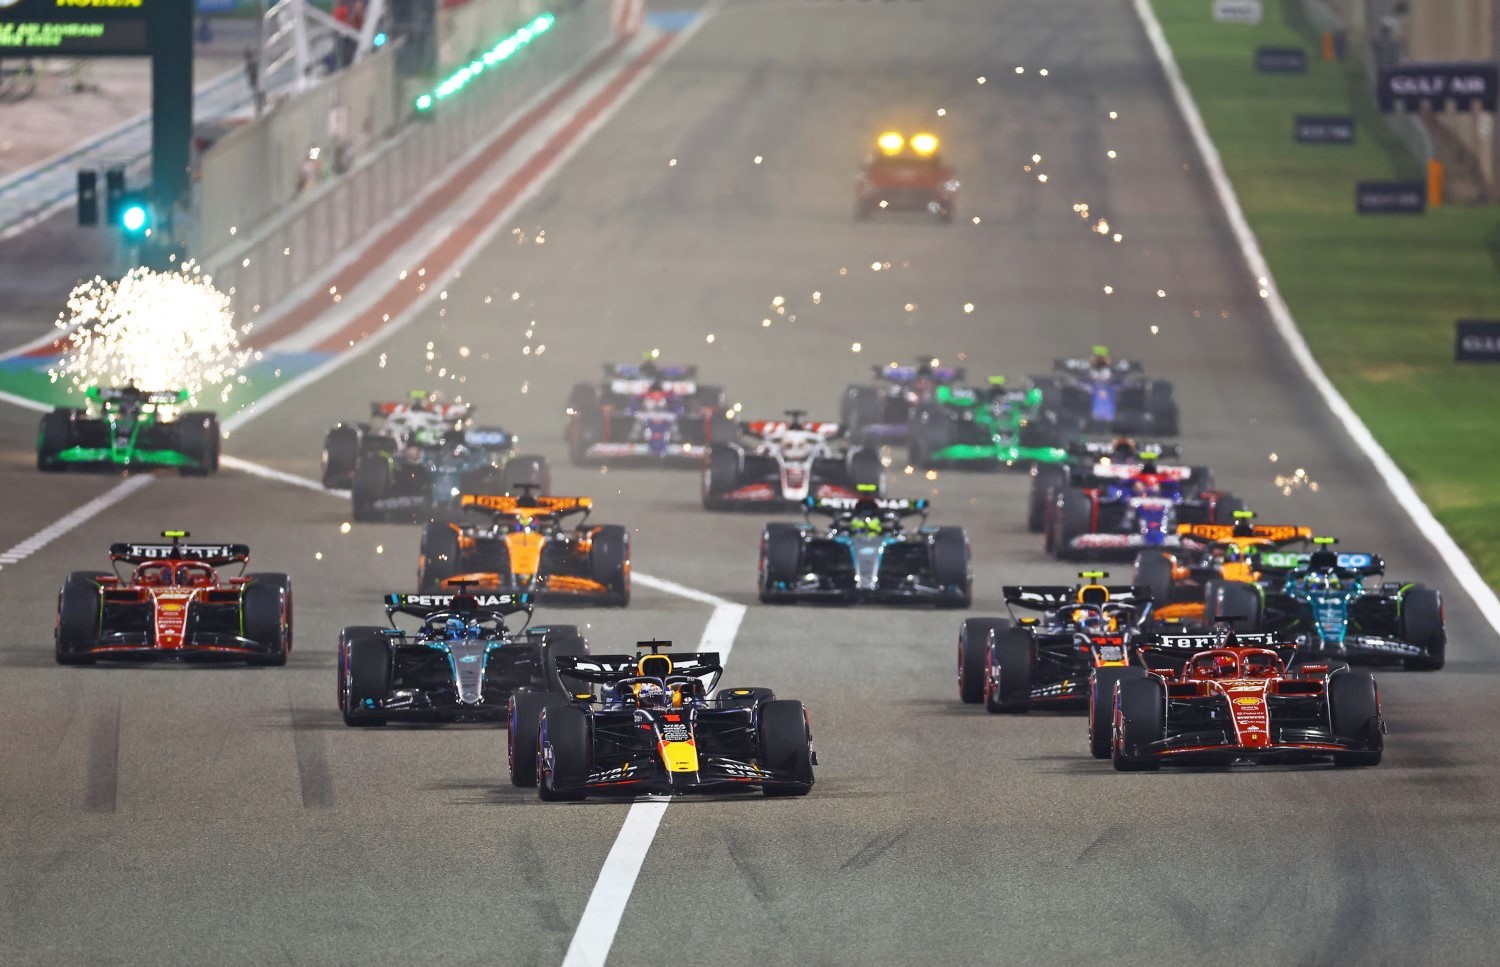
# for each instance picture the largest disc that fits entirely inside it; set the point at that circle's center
(780, 463)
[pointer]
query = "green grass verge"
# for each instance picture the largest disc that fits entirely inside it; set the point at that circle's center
(1375, 296)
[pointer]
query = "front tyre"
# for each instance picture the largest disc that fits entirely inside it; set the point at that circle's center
(785, 748)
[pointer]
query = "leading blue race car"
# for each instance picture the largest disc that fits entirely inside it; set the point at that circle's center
(865, 554)
(1100, 395)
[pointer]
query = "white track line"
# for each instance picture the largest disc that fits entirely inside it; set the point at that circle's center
(1281, 315)
(67, 523)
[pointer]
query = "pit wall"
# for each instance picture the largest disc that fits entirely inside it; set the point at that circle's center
(323, 211)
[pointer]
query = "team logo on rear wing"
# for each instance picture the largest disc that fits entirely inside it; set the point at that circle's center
(1205, 642)
(1287, 561)
(1275, 533)
(444, 602)
(897, 505)
(1038, 596)
(207, 553)
(508, 504)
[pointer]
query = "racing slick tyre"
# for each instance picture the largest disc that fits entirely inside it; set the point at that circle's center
(1200, 479)
(711, 397)
(747, 697)
(342, 662)
(780, 554)
(527, 468)
(523, 716)
(1226, 507)
(582, 398)
(785, 747)
(369, 675)
(610, 560)
(1161, 408)
(340, 454)
(1153, 569)
(974, 655)
(950, 567)
(931, 431)
(866, 470)
(198, 439)
(859, 408)
(77, 618)
(564, 743)
(561, 640)
(721, 429)
(371, 478)
(1234, 599)
(1009, 670)
(1075, 517)
(1040, 431)
(55, 434)
(1140, 717)
(721, 474)
(1047, 480)
(1102, 705)
(585, 430)
(439, 556)
(1422, 625)
(266, 610)
(1354, 716)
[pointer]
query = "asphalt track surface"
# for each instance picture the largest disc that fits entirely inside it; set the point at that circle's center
(202, 815)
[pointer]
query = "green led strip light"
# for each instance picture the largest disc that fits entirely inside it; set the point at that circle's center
(497, 54)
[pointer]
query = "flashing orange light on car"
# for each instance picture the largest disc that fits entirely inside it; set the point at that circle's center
(891, 142)
(924, 144)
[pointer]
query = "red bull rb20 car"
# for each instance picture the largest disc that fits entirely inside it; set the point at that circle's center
(644, 723)
(175, 605)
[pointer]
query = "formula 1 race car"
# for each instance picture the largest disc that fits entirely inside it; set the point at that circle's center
(1050, 478)
(1182, 581)
(905, 174)
(643, 723)
(646, 413)
(174, 605)
(420, 455)
(1322, 602)
(526, 547)
(461, 664)
(125, 428)
(1097, 395)
(985, 429)
(1016, 664)
(865, 555)
(789, 461)
(1235, 699)
(1119, 509)
(885, 411)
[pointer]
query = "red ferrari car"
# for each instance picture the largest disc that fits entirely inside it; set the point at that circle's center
(174, 604)
(905, 174)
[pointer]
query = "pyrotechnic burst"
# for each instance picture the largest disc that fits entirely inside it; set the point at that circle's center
(152, 330)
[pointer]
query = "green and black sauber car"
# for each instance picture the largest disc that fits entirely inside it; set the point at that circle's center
(985, 428)
(124, 428)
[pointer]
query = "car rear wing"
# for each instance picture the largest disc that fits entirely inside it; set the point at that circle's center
(638, 371)
(1273, 533)
(118, 394)
(770, 428)
(1078, 365)
(478, 603)
(1048, 597)
(1190, 644)
(488, 438)
(212, 554)
(609, 669)
(1105, 448)
(836, 506)
(526, 505)
(1285, 561)
(901, 375)
(1129, 471)
(444, 411)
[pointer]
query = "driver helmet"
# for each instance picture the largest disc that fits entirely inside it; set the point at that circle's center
(1124, 448)
(869, 524)
(1100, 360)
(153, 577)
(454, 629)
(650, 694)
(426, 436)
(196, 577)
(1322, 581)
(1221, 666)
(1234, 554)
(1094, 623)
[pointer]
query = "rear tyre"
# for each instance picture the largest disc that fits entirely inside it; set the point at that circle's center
(524, 725)
(721, 474)
(1102, 706)
(1422, 625)
(931, 432)
(950, 566)
(372, 475)
(1075, 517)
(1161, 408)
(78, 617)
(866, 470)
(1139, 720)
(439, 559)
(785, 748)
(859, 408)
(369, 679)
(1354, 715)
(528, 468)
(198, 439)
(610, 561)
(1009, 671)
(340, 454)
(1153, 569)
(780, 554)
(557, 641)
(564, 770)
(1226, 507)
(1047, 480)
(586, 430)
(267, 613)
(1238, 600)
(55, 434)
(974, 655)
(1040, 430)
